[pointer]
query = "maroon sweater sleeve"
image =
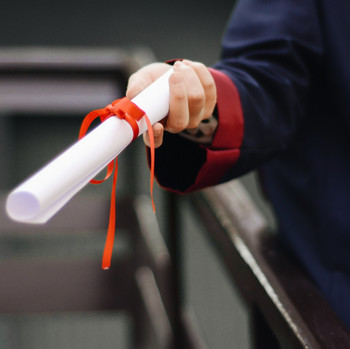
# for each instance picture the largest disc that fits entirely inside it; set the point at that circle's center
(183, 165)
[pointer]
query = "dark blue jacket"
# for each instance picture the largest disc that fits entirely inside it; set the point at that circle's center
(284, 108)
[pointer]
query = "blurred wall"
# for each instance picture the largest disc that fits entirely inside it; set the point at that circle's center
(172, 29)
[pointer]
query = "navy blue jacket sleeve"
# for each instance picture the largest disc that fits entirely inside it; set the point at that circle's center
(272, 51)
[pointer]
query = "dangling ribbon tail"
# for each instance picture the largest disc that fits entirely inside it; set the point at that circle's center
(131, 113)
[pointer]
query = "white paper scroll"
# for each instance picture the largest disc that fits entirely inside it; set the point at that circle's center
(41, 196)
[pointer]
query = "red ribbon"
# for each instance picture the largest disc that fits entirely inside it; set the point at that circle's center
(131, 113)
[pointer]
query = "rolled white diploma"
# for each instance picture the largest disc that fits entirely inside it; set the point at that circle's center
(42, 195)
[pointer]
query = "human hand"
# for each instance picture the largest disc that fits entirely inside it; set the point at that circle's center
(192, 95)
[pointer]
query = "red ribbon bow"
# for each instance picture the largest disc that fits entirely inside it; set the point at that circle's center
(131, 113)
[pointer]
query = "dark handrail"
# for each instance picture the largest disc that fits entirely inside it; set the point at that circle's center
(271, 283)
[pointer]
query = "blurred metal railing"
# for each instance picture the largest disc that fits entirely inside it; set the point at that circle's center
(286, 309)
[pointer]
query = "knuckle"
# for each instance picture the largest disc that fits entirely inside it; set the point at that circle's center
(177, 125)
(179, 96)
(198, 65)
(196, 105)
(196, 98)
(209, 85)
(211, 102)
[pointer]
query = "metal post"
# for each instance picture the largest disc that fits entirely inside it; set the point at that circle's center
(174, 245)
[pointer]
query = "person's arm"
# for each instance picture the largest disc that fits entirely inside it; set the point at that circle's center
(270, 51)
(184, 165)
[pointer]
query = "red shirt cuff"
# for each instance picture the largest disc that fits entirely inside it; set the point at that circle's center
(229, 133)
